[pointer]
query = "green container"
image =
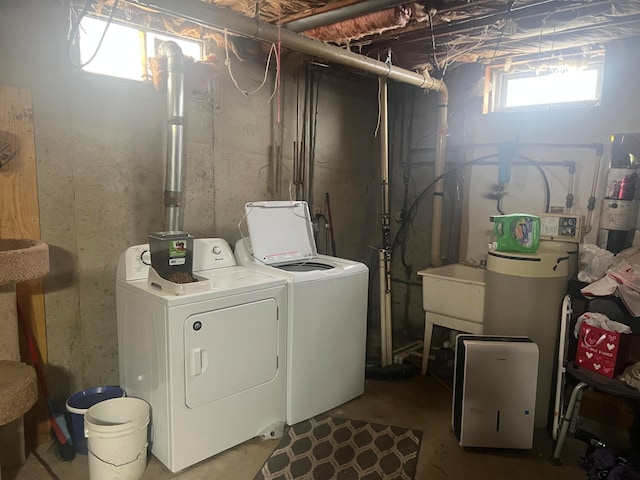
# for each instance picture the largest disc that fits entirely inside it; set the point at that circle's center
(517, 232)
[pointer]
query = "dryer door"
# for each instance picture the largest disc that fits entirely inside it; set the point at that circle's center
(230, 350)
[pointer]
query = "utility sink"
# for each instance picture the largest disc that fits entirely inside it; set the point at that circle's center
(455, 290)
(22, 259)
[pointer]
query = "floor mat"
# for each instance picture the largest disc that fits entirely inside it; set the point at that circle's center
(325, 447)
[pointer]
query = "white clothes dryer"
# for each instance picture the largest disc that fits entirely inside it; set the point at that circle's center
(209, 356)
(326, 341)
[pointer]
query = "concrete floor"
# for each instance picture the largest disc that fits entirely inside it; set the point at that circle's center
(419, 402)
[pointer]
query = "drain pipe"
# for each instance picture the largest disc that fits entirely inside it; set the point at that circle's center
(438, 190)
(384, 255)
(175, 134)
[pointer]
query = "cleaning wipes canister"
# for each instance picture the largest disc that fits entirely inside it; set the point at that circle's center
(516, 232)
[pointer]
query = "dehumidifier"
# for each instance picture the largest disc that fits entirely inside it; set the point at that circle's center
(494, 391)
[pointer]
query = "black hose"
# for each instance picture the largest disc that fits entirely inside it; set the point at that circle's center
(545, 180)
(76, 28)
(411, 212)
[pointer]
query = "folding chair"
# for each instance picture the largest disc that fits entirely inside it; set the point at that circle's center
(565, 419)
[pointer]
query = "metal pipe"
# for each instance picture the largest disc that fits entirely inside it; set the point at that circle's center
(220, 18)
(438, 190)
(175, 134)
(592, 198)
(340, 14)
(225, 19)
(384, 160)
(569, 201)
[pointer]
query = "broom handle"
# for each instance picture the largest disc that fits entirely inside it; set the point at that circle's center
(35, 357)
(35, 354)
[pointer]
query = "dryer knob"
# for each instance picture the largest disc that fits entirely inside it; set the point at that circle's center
(217, 250)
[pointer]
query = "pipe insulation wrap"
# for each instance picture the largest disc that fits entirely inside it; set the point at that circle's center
(355, 28)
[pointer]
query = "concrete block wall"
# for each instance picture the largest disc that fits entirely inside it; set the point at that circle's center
(100, 146)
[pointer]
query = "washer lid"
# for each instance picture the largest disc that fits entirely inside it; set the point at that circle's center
(280, 232)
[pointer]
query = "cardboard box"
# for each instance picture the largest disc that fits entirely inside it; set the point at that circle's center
(602, 351)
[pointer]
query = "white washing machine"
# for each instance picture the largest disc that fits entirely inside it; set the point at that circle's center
(327, 323)
(209, 356)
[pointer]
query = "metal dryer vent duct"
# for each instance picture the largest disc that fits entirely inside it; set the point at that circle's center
(223, 19)
(175, 134)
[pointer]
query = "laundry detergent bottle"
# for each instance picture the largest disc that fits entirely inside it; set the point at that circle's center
(516, 232)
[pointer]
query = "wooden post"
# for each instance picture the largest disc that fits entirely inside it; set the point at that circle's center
(20, 218)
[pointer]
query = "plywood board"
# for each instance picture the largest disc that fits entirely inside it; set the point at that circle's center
(20, 218)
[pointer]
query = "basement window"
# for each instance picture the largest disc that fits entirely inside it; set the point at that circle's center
(124, 50)
(558, 87)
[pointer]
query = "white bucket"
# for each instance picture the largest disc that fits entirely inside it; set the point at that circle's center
(116, 432)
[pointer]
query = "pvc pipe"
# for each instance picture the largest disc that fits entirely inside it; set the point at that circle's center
(409, 348)
(384, 160)
(387, 313)
(175, 134)
(384, 357)
(438, 191)
(385, 252)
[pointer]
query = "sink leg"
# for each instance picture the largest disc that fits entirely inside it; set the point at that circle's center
(428, 332)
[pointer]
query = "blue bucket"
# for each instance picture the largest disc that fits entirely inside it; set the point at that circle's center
(80, 402)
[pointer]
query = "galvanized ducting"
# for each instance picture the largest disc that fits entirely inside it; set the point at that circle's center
(175, 134)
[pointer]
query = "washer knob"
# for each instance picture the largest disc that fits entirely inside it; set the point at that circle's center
(217, 250)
